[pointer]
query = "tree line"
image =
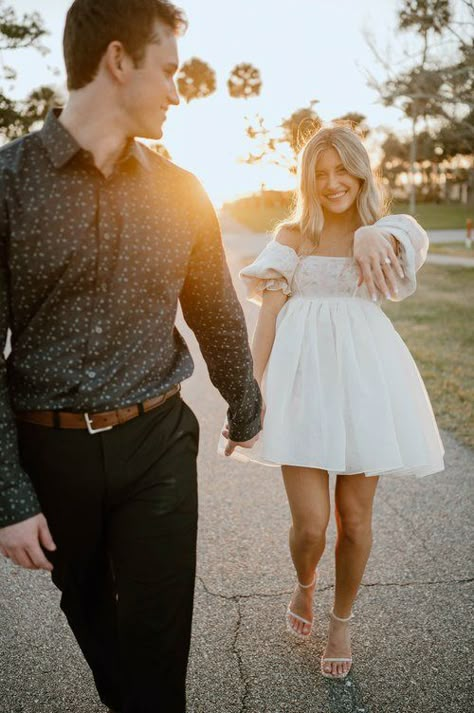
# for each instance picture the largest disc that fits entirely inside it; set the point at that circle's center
(195, 80)
(432, 88)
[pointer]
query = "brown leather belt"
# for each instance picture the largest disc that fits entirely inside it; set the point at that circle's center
(94, 422)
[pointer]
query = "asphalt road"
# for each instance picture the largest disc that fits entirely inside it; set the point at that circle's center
(412, 632)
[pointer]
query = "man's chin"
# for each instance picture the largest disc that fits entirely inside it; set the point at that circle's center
(153, 133)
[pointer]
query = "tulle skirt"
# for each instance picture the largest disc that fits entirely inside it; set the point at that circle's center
(343, 393)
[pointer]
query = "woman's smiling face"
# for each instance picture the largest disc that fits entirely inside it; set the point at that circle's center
(336, 188)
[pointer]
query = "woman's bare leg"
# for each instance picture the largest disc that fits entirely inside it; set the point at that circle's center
(354, 500)
(307, 490)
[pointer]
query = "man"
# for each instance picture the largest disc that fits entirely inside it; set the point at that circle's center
(100, 237)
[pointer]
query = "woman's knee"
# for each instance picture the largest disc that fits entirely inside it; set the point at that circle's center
(310, 535)
(356, 527)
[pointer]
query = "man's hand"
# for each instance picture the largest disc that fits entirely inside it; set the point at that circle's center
(377, 261)
(22, 542)
(231, 445)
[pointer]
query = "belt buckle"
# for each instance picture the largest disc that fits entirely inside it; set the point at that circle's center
(90, 427)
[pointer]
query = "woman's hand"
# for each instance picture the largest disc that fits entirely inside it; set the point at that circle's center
(377, 261)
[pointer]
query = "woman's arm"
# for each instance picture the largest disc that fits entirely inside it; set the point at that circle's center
(264, 335)
(262, 342)
(273, 299)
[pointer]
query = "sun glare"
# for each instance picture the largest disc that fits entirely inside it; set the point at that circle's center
(214, 146)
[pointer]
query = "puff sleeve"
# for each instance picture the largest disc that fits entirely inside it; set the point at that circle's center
(273, 269)
(414, 249)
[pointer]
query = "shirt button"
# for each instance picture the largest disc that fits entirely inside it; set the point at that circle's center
(91, 374)
(99, 330)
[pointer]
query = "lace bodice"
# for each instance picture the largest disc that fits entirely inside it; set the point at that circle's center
(279, 267)
(317, 276)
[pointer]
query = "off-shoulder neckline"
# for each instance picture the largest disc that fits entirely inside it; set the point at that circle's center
(305, 257)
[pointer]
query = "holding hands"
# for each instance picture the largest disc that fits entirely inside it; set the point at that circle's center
(231, 445)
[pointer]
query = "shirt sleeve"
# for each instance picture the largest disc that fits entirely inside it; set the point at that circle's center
(212, 310)
(18, 499)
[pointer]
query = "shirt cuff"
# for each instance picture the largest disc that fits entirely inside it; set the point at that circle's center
(244, 431)
(18, 502)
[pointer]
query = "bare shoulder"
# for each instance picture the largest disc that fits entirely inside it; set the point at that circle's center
(289, 236)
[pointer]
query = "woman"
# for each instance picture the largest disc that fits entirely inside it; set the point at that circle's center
(342, 392)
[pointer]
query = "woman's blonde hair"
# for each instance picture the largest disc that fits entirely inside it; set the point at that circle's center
(308, 215)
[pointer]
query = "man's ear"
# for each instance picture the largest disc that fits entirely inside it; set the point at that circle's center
(117, 62)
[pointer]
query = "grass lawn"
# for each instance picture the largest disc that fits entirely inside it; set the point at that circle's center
(437, 325)
(430, 215)
(444, 216)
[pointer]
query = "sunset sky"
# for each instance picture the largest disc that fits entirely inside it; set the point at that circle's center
(305, 50)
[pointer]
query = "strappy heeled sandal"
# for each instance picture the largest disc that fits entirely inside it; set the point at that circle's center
(291, 615)
(325, 660)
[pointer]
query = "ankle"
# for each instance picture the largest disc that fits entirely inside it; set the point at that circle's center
(306, 583)
(342, 616)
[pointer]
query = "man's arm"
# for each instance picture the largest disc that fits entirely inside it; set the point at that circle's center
(212, 310)
(22, 527)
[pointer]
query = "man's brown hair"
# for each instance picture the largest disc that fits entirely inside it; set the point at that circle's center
(91, 25)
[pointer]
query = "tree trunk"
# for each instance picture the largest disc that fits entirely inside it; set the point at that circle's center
(412, 169)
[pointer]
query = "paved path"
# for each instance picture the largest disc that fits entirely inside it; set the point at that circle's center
(447, 236)
(450, 260)
(413, 614)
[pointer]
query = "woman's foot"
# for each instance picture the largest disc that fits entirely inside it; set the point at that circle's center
(299, 615)
(337, 647)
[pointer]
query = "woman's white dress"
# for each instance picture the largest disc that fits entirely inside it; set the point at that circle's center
(342, 391)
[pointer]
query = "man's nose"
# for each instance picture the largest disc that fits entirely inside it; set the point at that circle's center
(173, 96)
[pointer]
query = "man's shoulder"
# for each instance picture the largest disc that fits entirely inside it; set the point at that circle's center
(12, 153)
(163, 164)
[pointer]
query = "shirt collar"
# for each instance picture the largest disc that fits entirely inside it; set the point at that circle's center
(62, 146)
(135, 149)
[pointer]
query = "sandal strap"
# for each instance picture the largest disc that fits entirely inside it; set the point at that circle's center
(325, 660)
(339, 618)
(307, 586)
(300, 618)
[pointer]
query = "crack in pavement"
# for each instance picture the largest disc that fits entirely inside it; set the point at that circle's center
(235, 650)
(237, 598)
(421, 583)
(256, 595)
(240, 663)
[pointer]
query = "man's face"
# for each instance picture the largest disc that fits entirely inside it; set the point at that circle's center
(151, 88)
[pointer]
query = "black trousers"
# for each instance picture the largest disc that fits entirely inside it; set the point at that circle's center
(122, 509)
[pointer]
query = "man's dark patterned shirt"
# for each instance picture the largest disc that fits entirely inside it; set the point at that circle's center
(91, 271)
